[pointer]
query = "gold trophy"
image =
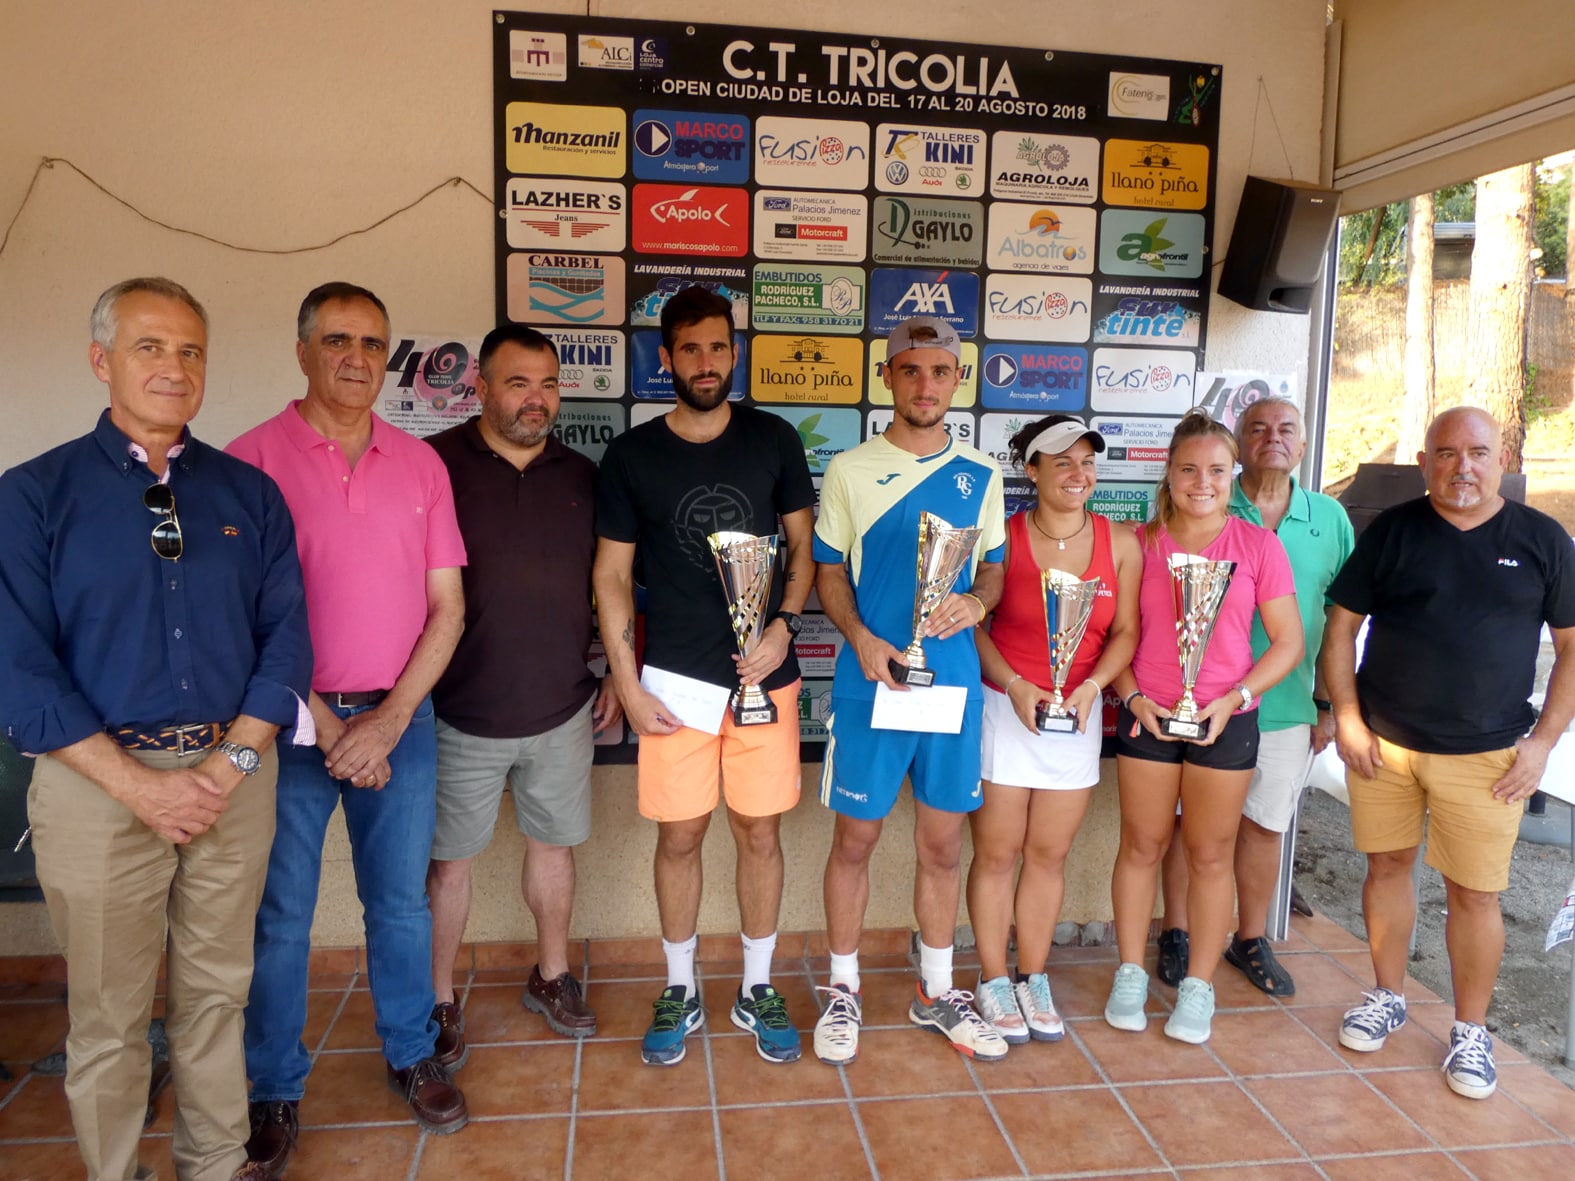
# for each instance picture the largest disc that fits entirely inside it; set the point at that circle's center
(1199, 585)
(745, 564)
(943, 552)
(1069, 603)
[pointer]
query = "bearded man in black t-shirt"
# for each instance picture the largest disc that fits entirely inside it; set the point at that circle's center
(707, 466)
(1435, 727)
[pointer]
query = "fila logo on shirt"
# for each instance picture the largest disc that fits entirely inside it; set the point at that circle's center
(1508, 562)
(964, 483)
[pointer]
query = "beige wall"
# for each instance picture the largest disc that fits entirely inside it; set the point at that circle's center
(284, 124)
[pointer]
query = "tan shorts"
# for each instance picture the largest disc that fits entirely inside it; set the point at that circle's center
(683, 774)
(1470, 835)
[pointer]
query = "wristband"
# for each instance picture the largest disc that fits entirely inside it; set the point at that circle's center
(983, 611)
(1323, 705)
(1098, 688)
(1007, 688)
(1126, 702)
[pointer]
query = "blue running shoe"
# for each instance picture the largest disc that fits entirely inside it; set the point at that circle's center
(1468, 1067)
(677, 1015)
(763, 1013)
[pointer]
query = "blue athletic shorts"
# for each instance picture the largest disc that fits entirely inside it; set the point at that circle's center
(864, 767)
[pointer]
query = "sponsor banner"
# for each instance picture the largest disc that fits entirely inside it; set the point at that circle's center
(538, 57)
(1139, 96)
(995, 436)
(1159, 175)
(688, 146)
(1135, 448)
(813, 299)
(551, 288)
(1142, 381)
(431, 383)
(600, 52)
(812, 153)
(1029, 166)
(960, 425)
(823, 432)
(649, 380)
(900, 294)
(1123, 502)
(1035, 379)
(1169, 245)
(1227, 395)
(819, 226)
(813, 369)
(567, 215)
(591, 364)
(651, 55)
(588, 427)
(967, 393)
(1138, 315)
(814, 706)
(675, 219)
(908, 230)
(929, 160)
(1051, 238)
(818, 642)
(652, 284)
(565, 140)
(1037, 307)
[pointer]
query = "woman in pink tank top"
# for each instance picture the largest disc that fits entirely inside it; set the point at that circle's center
(1037, 785)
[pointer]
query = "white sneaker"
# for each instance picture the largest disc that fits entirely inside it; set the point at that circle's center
(997, 1003)
(952, 1015)
(837, 1031)
(1038, 1008)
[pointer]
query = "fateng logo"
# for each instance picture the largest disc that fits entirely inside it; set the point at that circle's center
(691, 146)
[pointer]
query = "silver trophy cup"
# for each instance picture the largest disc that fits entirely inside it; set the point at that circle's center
(1069, 602)
(1199, 585)
(943, 552)
(745, 564)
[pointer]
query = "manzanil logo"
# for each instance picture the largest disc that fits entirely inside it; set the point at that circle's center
(685, 208)
(530, 133)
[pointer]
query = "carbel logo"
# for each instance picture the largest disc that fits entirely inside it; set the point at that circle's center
(672, 219)
(690, 146)
(574, 289)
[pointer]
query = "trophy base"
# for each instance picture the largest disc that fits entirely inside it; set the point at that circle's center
(754, 715)
(1187, 730)
(904, 674)
(1050, 723)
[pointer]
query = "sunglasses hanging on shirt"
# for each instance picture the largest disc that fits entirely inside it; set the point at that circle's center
(166, 539)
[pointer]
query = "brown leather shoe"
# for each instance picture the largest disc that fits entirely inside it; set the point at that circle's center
(561, 1002)
(274, 1129)
(437, 1104)
(450, 1051)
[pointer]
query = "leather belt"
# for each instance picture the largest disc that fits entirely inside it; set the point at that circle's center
(180, 739)
(353, 700)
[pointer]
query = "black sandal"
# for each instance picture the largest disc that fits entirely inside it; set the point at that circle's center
(1174, 954)
(1257, 962)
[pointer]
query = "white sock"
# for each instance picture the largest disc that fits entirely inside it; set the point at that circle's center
(935, 969)
(757, 959)
(681, 963)
(845, 970)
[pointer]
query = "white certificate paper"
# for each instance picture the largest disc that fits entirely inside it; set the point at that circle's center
(935, 709)
(699, 705)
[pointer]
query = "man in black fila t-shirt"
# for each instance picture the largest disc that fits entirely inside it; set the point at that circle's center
(1436, 722)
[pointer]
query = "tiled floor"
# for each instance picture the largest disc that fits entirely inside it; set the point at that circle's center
(1270, 1098)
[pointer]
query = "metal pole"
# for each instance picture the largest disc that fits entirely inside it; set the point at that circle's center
(1279, 922)
(1569, 1022)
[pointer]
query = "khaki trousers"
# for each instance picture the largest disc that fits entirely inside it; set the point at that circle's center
(119, 895)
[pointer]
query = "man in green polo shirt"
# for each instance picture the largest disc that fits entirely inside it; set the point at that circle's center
(1294, 721)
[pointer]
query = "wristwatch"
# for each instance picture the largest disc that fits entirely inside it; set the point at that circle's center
(243, 758)
(794, 623)
(1246, 695)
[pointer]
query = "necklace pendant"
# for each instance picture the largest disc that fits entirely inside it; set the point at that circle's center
(1060, 544)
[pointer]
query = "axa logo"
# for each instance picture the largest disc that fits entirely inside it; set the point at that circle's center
(926, 299)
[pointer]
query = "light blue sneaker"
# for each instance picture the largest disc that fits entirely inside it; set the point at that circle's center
(1128, 995)
(763, 1013)
(1193, 1016)
(1468, 1067)
(677, 1015)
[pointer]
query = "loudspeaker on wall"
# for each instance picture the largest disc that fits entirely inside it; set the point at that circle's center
(1277, 247)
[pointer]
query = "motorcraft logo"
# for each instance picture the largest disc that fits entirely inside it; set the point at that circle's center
(807, 369)
(823, 299)
(1038, 307)
(933, 233)
(911, 158)
(672, 219)
(1135, 448)
(551, 288)
(541, 57)
(1139, 320)
(1142, 381)
(1031, 167)
(1045, 238)
(591, 364)
(689, 146)
(1034, 378)
(832, 227)
(566, 140)
(1140, 96)
(598, 52)
(1139, 243)
(898, 294)
(572, 214)
(812, 153)
(1156, 175)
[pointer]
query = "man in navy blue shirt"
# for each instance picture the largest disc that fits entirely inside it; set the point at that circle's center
(155, 642)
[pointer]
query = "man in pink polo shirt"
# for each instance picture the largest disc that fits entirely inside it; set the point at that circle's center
(381, 553)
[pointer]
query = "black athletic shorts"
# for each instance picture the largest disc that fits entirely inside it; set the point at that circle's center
(1234, 750)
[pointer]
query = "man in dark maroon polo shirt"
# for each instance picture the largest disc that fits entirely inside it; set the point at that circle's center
(517, 703)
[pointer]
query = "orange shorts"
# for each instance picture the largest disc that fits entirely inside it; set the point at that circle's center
(682, 774)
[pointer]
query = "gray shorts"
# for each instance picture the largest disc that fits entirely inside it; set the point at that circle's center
(550, 775)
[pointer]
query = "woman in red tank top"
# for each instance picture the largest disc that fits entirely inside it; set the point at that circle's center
(1037, 786)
